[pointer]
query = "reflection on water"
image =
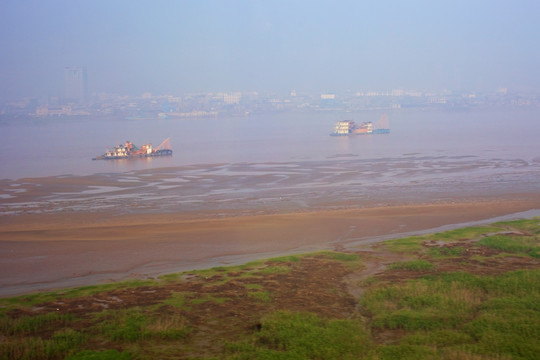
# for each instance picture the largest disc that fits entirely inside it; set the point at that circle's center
(45, 147)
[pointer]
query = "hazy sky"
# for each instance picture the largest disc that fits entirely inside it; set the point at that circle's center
(131, 47)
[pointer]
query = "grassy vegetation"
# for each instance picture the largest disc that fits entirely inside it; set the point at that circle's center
(135, 325)
(29, 325)
(444, 316)
(262, 295)
(100, 355)
(275, 270)
(445, 252)
(287, 335)
(522, 245)
(286, 259)
(413, 244)
(59, 344)
(208, 298)
(38, 298)
(413, 265)
(259, 310)
(177, 300)
(463, 313)
(529, 225)
(409, 244)
(473, 232)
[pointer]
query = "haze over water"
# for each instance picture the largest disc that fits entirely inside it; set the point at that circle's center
(52, 147)
(176, 48)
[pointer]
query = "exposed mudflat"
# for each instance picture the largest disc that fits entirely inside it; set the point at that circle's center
(78, 230)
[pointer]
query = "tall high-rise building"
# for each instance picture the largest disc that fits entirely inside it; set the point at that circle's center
(75, 84)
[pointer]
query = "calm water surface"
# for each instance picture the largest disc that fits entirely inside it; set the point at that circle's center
(51, 147)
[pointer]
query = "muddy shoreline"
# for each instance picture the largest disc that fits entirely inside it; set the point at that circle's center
(68, 256)
(70, 231)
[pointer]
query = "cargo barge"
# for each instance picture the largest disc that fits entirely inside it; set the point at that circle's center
(129, 151)
(349, 127)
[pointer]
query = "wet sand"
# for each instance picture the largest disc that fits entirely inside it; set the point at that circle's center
(72, 231)
(49, 252)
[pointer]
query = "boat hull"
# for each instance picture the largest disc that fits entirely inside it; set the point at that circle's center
(157, 153)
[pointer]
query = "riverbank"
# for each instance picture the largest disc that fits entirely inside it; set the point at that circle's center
(407, 297)
(47, 251)
(64, 231)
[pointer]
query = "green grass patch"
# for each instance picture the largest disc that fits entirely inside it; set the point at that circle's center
(208, 298)
(253, 286)
(261, 296)
(100, 355)
(405, 245)
(177, 300)
(138, 324)
(327, 254)
(413, 265)
(208, 274)
(350, 260)
(288, 335)
(441, 252)
(225, 274)
(339, 256)
(523, 245)
(257, 292)
(286, 259)
(278, 269)
(125, 325)
(473, 232)
(172, 326)
(461, 313)
(252, 264)
(29, 301)
(171, 278)
(413, 244)
(60, 344)
(515, 333)
(405, 351)
(438, 338)
(531, 226)
(29, 325)
(96, 289)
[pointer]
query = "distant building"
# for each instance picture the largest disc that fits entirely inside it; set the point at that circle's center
(75, 83)
(64, 110)
(328, 100)
(53, 111)
(232, 98)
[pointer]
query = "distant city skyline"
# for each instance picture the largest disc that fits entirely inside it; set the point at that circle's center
(218, 104)
(132, 47)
